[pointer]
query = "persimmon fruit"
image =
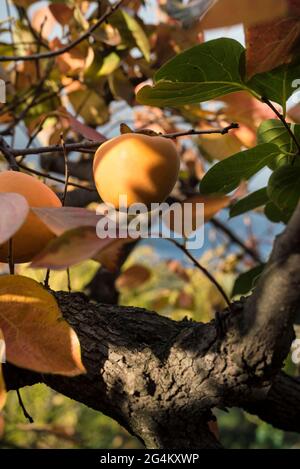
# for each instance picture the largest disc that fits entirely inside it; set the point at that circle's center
(142, 167)
(33, 235)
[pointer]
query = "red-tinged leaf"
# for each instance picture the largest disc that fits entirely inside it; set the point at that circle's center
(113, 255)
(80, 128)
(60, 220)
(272, 44)
(230, 12)
(185, 300)
(70, 248)
(177, 268)
(243, 108)
(14, 210)
(133, 277)
(61, 12)
(36, 335)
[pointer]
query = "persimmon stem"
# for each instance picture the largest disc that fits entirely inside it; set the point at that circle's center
(24, 410)
(47, 276)
(203, 270)
(69, 280)
(11, 257)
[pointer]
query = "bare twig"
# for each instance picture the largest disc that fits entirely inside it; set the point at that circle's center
(8, 154)
(26, 414)
(48, 176)
(84, 146)
(203, 270)
(67, 175)
(235, 239)
(223, 131)
(67, 47)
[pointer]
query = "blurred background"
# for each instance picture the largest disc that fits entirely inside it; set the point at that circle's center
(155, 275)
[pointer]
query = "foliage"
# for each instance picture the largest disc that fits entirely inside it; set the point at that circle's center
(71, 69)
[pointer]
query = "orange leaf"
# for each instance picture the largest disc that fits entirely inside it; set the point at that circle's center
(72, 247)
(2, 383)
(61, 219)
(43, 21)
(62, 13)
(212, 205)
(272, 44)
(133, 277)
(230, 12)
(35, 333)
(13, 213)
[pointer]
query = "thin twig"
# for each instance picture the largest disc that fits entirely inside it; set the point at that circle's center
(66, 169)
(83, 146)
(203, 270)
(26, 414)
(53, 178)
(47, 276)
(69, 280)
(223, 131)
(11, 257)
(233, 237)
(8, 155)
(47, 55)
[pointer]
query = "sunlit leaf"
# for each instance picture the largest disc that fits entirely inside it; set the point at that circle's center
(72, 247)
(36, 335)
(62, 219)
(229, 12)
(204, 72)
(14, 210)
(133, 277)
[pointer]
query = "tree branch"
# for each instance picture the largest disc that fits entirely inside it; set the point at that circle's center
(48, 55)
(281, 408)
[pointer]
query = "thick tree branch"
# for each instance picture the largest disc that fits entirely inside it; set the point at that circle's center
(161, 378)
(281, 408)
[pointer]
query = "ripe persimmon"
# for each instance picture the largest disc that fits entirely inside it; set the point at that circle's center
(141, 167)
(33, 235)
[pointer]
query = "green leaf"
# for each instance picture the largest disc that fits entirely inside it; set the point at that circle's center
(276, 85)
(226, 175)
(131, 32)
(274, 214)
(201, 73)
(252, 201)
(90, 106)
(246, 281)
(284, 188)
(273, 131)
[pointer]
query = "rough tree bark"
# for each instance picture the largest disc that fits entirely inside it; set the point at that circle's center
(162, 379)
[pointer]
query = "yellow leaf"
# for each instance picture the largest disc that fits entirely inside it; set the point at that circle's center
(35, 333)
